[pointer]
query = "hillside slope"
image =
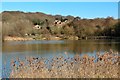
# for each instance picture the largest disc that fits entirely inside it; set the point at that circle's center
(40, 25)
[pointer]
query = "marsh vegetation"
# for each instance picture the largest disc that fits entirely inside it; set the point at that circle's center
(99, 66)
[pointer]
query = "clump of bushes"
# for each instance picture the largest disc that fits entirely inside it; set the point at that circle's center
(37, 22)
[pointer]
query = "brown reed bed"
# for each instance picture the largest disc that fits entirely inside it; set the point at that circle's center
(99, 66)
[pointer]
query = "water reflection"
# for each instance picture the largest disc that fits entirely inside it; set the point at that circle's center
(82, 46)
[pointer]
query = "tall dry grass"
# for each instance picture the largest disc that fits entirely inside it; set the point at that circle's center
(99, 66)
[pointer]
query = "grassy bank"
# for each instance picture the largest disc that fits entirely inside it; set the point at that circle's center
(8, 38)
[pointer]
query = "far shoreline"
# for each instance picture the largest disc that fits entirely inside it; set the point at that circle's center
(9, 38)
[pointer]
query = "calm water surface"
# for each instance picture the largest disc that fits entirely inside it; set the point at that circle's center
(49, 49)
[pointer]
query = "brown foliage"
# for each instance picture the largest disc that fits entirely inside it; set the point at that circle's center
(16, 23)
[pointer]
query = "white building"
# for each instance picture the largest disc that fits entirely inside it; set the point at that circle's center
(37, 27)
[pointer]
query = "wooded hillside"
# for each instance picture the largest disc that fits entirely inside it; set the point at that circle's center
(16, 23)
